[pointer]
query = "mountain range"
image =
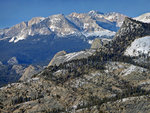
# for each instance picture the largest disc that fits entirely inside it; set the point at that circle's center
(87, 24)
(40, 38)
(112, 76)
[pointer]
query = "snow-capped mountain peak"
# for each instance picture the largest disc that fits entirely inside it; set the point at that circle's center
(91, 24)
(115, 17)
(93, 12)
(61, 26)
(35, 20)
(133, 38)
(143, 18)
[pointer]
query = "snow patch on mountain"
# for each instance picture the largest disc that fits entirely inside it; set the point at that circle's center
(99, 33)
(115, 17)
(139, 46)
(93, 23)
(144, 18)
(35, 20)
(73, 55)
(61, 26)
(145, 82)
(17, 38)
(4, 38)
(129, 70)
(90, 41)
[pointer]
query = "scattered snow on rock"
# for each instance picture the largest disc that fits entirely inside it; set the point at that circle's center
(100, 33)
(131, 69)
(139, 46)
(75, 55)
(92, 75)
(144, 18)
(145, 82)
(90, 41)
(72, 55)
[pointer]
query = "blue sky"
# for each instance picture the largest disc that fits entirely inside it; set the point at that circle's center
(16, 11)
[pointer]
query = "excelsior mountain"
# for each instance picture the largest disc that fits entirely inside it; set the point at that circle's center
(87, 24)
(38, 39)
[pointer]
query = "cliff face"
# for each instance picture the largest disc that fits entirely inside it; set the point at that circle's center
(96, 44)
(100, 43)
(129, 31)
(29, 72)
(61, 53)
(61, 57)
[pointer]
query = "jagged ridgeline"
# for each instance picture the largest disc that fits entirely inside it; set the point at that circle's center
(130, 30)
(43, 37)
(99, 80)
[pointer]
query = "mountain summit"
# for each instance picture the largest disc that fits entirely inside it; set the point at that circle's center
(144, 18)
(38, 39)
(130, 30)
(62, 26)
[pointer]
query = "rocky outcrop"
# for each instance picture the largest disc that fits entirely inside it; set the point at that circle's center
(96, 44)
(120, 86)
(61, 53)
(62, 57)
(29, 72)
(129, 31)
(19, 69)
(128, 105)
(12, 73)
(12, 61)
(88, 81)
(58, 32)
(100, 43)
